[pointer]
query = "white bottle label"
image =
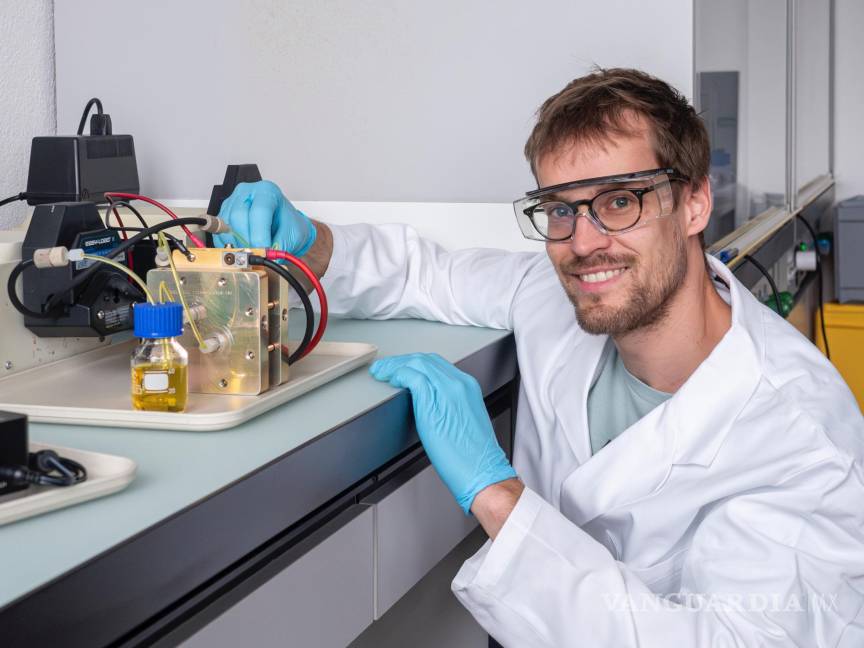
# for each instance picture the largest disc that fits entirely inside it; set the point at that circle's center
(155, 381)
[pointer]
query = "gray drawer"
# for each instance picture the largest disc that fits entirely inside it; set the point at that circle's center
(417, 523)
(323, 598)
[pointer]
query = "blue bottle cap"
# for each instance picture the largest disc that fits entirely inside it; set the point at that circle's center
(158, 320)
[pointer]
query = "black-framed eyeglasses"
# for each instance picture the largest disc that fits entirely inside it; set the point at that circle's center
(634, 200)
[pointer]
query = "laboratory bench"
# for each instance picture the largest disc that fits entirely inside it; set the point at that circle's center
(299, 527)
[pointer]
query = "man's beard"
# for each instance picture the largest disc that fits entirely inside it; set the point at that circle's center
(648, 300)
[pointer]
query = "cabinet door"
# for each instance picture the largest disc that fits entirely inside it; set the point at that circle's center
(323, 598)
(417, 523)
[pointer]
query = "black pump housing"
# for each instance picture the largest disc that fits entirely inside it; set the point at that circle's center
(102, 305)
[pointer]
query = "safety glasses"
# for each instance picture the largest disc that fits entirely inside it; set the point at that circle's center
(614, 204)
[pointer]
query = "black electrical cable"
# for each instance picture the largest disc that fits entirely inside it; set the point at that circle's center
(254, 259)
(49, 462)
(13, 295)
(171, 239)
(770, 279)
(11, 199)
(89, 272)
(112, 205)
(819, 279)
(45, 468)
(94, 101)
(180, 245)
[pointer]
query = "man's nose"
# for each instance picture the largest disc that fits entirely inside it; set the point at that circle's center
(587, 238)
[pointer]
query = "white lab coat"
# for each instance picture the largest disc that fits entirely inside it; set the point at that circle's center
(743, 494)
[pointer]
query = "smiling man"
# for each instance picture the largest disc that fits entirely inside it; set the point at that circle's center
(687, 467)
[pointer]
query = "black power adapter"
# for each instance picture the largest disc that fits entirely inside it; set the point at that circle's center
(13, 448)
(82, 167)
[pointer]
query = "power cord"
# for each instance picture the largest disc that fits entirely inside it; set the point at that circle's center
(770, 279)
(45, 468)
(819, 279)
(100, 123)
(15, 198)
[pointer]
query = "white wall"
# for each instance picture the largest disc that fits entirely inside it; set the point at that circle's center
(849, 98)
(26, 93)
(349, 100)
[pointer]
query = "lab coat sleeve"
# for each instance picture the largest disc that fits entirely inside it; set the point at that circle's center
(545, 582)
(389, 271)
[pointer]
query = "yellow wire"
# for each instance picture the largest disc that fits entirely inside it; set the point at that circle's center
(164, 242)
(120, 266)
(166, 291)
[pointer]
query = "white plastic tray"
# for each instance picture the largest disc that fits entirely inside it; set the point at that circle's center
(93, 389)
(106, 474)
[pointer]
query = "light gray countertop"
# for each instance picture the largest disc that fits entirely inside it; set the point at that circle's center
(178, 469)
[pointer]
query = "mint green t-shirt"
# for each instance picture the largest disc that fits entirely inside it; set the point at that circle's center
(617, 399)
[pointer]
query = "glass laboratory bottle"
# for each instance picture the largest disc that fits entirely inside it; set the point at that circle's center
(160, 378)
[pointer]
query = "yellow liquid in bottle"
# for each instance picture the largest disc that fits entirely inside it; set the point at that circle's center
(159, 387)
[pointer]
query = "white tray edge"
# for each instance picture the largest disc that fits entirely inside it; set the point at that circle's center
(107, 474)
(356, 354)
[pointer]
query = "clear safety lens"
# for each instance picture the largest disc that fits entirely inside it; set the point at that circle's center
(552, 217)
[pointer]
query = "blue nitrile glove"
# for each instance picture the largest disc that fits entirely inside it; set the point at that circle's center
(260, 216)
(452, 422)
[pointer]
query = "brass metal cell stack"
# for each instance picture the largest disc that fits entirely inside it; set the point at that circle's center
(241, 313)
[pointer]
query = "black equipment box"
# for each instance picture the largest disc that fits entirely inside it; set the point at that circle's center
(82, 167)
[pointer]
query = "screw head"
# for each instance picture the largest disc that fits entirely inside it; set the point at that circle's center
(182, 280)
(100, 314)
(222, 282)
(223, 383)
(7, 365)
(250, 312)
(284, 314)
(250, 355)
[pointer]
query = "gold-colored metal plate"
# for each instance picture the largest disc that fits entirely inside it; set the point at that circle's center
(278, 295)
(279, 292)
(235, 311)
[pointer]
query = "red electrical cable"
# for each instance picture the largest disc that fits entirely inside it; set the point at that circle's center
(129, 261)
(197, 242)
(120, 223)
(274, 255)
(125, 236)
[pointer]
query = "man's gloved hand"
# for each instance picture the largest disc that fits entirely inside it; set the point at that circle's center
(260, 216)
(452, 422)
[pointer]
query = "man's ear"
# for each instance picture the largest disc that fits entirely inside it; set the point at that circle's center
(697, 203)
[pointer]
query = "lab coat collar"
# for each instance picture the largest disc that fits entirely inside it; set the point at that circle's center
(705, 407)
(696, 419)
(689, 428)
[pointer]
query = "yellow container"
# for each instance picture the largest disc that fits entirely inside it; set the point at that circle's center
(844, 327)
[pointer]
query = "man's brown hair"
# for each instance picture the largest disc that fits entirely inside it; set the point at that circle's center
(592, 107)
